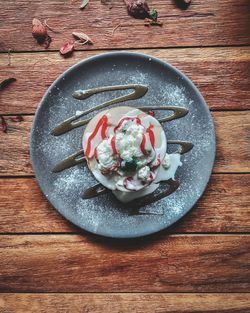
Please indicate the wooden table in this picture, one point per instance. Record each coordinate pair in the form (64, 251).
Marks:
(199, 265)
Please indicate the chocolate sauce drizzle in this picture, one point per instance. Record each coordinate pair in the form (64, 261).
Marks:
(72, 160)
(94, 191)
(78, 157)
(139, 91)
(170, 187)
(178, 112)
(67, 125)
(98, 189)
(184, 146)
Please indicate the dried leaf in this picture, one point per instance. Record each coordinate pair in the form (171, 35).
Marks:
(39, 31)
(6, 83)
(83, 4)
(153, 14)
(17, 118)
(4, 125)
(67, 49)
(82, 37)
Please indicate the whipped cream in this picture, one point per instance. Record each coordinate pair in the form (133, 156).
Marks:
(144, 174)
(166, 161)
(128, 140)
(105, 155)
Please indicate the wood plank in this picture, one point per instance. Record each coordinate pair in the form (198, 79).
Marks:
(125, 303)
(221, 74)
(161, 263)
(232, 130)
(232, 140)
(225, 207)
(212, 22)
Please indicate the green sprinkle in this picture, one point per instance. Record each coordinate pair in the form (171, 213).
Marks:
(129, 166)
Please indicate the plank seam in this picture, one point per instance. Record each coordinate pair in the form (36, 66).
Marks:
(33, 176)
(82, 232)
(211, 110)
(132, 48)
(123, 292)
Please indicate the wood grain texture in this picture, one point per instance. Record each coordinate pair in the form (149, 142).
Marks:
(125, 303)
(223, 22)
(161, 263)
(221, 74)
(164, 262)
(232, 130)
(225, 207)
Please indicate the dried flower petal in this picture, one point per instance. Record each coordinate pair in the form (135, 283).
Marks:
(84, 3)
(67, 49)
(183, 4)
(6, 82)
(4, 125)
(137, 8)
(82, 37)
(17, 118)
(39, 31)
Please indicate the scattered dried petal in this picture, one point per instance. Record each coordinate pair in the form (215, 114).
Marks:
(17, 118)
(6, 82)
(39, 31)
(4, 125)
(67, 49)
(82, 37)
(137, 8)
(83, 4)
(183, 4)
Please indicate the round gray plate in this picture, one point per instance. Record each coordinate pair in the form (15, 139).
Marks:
(167, 86)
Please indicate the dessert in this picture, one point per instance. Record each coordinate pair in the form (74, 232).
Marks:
(125, 149)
